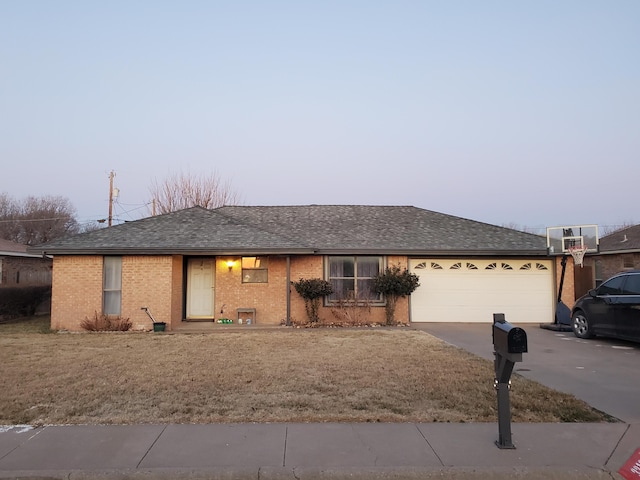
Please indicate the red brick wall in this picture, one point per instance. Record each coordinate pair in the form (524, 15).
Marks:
(147, 282)
(612, 264)
(313, 267)
(157, 282)
(568, 288)
(269, 299)
(76, 290)
(402, 307)
(177, 282)
(307, 268)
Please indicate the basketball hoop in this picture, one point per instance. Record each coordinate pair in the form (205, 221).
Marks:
(577, 253)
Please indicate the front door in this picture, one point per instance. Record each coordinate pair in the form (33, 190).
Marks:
(200, 288)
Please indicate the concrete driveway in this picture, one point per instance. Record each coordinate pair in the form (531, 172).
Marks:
(604, 373)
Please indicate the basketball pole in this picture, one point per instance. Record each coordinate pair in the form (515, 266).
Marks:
(563, 262)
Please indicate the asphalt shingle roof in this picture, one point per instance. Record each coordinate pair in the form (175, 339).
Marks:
(304, 230)
(8, 246)
(627, 239)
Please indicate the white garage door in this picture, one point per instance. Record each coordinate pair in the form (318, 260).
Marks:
(471, 290)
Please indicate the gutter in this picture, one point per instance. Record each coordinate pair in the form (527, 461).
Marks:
(437, 253)
(20, 254)
(265, 251)
(174, 251)
(616, 252)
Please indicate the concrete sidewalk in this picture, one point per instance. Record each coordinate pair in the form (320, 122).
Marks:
(313, 451)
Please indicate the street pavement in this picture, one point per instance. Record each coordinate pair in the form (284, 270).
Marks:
(343, 450)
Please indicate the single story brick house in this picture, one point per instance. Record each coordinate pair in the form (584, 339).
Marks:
(25, 280)
(19, 268)
(239, 261)
(619, 252)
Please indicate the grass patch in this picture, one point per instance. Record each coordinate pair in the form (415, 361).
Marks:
(35, 324)
(279, 375)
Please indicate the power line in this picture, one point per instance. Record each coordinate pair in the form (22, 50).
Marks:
(22, 220)
(128, 212)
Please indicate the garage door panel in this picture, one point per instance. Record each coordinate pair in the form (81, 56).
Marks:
(465, 314)
(450, 291)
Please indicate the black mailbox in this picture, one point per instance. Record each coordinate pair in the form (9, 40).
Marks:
(509, 343)
(507, 338)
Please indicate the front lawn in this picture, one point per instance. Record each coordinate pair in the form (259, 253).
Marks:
(271, 375)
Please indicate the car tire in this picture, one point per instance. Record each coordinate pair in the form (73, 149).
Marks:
(581, 326)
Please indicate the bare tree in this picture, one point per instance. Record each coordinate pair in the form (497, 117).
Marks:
(36, 220)
(610, 229)
(9, 215)
(90, 227)
(184, 190)
(521, 228)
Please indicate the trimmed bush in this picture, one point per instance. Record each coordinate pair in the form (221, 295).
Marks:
(312, 290)
(395, 283)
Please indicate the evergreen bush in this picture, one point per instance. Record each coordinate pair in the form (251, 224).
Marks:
(312, 290)
(394, 283)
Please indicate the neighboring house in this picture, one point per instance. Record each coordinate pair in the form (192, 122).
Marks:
(239, 262)
(19, 268)
(619, 252)
(25, 280)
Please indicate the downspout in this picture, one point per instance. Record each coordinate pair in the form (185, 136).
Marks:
(288, 319)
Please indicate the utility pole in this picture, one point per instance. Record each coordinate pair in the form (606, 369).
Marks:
(110, 218)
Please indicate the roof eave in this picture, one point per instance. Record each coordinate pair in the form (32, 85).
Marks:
(21, 254)
(423, 253)
(178, 251)
(617, 252)
(297, 251)
(482, 253)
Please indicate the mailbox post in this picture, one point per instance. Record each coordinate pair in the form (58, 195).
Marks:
(509, 343)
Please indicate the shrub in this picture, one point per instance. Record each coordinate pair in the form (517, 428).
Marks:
(395, 283)
(22, 301)
(351, 313)
(105, 323)
(312, 290)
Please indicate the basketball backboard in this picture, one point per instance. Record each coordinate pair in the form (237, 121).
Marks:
(561, 239)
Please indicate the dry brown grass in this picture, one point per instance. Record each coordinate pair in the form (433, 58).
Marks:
(278, 375)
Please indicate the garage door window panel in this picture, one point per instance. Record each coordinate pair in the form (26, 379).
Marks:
(529, 266)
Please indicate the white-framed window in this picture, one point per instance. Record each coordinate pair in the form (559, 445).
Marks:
(112, 286)
(255, 269)
(352, 278)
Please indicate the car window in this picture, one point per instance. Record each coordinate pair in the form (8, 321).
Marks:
(612, 286)
(632, 285)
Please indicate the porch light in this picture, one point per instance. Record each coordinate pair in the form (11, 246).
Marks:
(230, 264)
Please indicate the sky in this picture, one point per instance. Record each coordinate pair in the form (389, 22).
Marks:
(521, 113)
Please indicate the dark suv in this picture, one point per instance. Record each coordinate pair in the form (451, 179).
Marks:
(611, 310)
